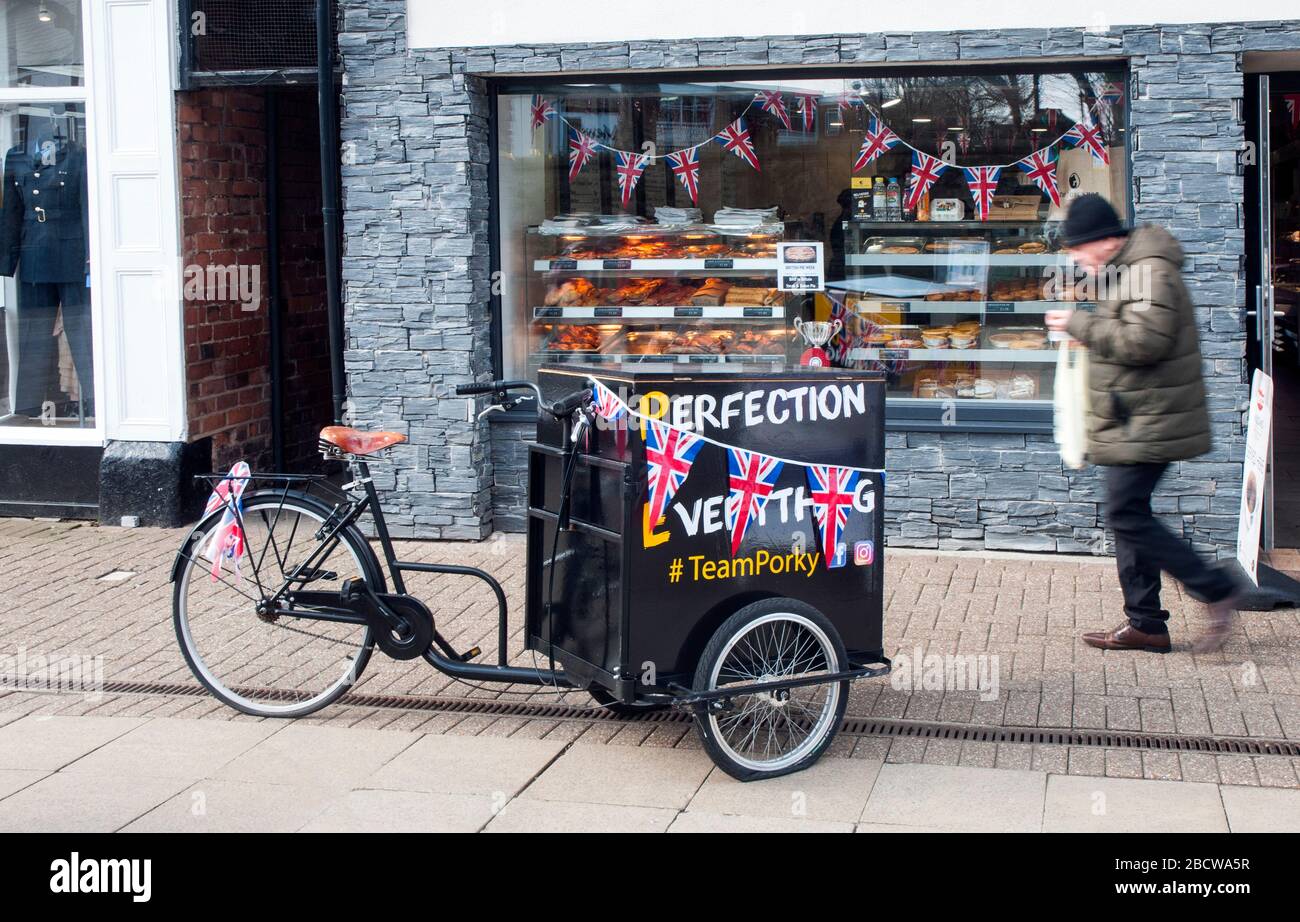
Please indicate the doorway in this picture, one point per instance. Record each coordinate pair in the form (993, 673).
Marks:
(1272, 170)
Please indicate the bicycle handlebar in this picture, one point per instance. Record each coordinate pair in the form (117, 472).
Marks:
(570, 402)
(562, 407)
(492, 387)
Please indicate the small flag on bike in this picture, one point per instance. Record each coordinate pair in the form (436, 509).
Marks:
(751, 479)
(227, 540)
(607, 404)
(669, 453)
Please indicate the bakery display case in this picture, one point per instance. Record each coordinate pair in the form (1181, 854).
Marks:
(656, 295)
(951, 309)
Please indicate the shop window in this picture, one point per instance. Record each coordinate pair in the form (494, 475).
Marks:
(46, 365)
(640, 222)
(41, 43)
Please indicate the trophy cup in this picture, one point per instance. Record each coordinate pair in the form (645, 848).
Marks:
(817, 333)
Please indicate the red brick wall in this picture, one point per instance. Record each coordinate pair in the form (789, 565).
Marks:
(223, 211)
(223, 153)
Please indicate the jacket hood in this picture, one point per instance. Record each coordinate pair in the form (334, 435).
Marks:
(1148, 241)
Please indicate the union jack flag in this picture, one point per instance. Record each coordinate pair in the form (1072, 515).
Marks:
(807, 109)
(1086, 134)
(1040, 167)
(774, 102)
(963, 141)
(685, 165)
(628, 169)
(751, 479)
(925, 170)
(848, 101)
(1112, 93)
(607, 404)
(227, 539)
(582, 147)
(833, 492)
(735, 138)
(542, 110)
(669, 454)
(879, 138)
(983, 183)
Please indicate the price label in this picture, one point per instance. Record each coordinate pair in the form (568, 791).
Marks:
(757, 312)
(903, 307)
(688, 312)
(548, 312)
(894, 355)
(999, 307)
(564, 264)
(617, 263)
(609, 312)
(719, 264)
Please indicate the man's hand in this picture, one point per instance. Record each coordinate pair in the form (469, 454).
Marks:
(1058, 320)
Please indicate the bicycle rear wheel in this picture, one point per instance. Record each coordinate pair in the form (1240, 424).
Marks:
(283, 665)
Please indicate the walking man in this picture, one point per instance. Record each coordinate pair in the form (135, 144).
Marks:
(1147, 410)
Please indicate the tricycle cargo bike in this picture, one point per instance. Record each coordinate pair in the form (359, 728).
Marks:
(709, 541)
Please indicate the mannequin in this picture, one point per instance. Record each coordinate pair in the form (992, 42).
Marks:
(44, 245)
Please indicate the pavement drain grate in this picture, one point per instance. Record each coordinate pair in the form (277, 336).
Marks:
(853, 726)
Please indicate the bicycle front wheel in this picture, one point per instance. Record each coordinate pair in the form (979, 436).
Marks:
(285, 665)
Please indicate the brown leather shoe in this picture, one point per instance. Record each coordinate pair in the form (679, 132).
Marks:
(1127, 637)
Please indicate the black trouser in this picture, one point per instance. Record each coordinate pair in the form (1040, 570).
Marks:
(1144, 547)
(38, 306)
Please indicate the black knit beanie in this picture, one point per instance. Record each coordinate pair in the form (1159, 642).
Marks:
(1089, 218)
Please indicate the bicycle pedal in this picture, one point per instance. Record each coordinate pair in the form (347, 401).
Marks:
(470, 654)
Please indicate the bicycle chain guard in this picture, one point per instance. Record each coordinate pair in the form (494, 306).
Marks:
(418, 634)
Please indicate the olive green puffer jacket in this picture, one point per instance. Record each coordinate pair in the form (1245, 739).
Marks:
(1145, 386)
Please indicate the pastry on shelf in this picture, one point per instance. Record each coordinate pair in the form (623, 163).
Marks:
(712, 292)
(750, 297)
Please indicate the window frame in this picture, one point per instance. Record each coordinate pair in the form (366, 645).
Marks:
(901, 414)
(81, 95)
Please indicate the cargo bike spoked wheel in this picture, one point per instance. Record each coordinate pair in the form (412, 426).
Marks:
(272, 665)
(768, 733)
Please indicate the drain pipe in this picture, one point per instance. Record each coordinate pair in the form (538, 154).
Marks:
(273, 274)
(328, 102)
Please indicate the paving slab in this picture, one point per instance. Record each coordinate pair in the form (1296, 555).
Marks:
(699, 821)
(173, 747)
(454, 764)
(404, 811)
(957, 798)
(238, 806)
(524, 815)
(1252, 809)
(83, 802)
(1082, 804)
(832, 789)
(49, 743)
(304, 754)
(625, 775)
(898, 827)
(13, 780)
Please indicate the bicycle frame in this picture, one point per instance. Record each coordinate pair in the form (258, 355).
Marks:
(331, 606)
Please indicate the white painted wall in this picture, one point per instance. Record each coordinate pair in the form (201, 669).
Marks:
(444, 23)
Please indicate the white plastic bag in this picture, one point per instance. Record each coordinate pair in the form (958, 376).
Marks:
(1070, 398)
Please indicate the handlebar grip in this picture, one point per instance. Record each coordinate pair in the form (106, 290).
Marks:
(492, 387)
(567, 404)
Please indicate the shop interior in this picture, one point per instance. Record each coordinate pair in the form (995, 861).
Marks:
(1275, 343)
(945, 301)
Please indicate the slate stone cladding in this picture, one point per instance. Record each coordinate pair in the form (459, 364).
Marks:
(416, 152)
